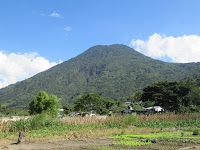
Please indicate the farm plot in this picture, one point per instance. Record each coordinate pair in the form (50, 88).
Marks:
(154, 141)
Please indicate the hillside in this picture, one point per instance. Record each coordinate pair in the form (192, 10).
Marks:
(114, 72)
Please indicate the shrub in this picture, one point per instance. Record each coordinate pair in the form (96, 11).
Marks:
(38, 122)
(182, 133)
(43, 102)
(196, 132)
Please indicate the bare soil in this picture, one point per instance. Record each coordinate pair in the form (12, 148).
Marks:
(75, 144)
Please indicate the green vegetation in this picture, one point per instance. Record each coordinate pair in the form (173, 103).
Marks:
(43, 102)
(45, 122)
(7, 112)
(159, 141)
(164, 124)
(132, 143)
(94, 102)
(196, 132)
(122, 127)
(176, 135)
(183, 96)
(114, 72)
(41, 121)
(124, 137)
(103, 147)
(135, 97)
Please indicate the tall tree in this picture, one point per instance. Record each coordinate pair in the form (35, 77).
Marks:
(170, 95)
(93, 102)
(137, 96)
(44, 102)
(88, 102)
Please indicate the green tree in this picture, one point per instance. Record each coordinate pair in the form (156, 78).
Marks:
(44, 102)
(118, 107)
(137, 96)
(94, 102)
(68, 109)
(171, 95)
(88, 102)
(194, 96)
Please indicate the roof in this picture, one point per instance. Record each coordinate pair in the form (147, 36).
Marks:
(154, 107)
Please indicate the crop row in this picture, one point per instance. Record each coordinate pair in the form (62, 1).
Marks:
(155, 135)
(164, 124)
(132, 143)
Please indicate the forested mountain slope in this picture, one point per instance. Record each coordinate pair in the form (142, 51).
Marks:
(114, 72)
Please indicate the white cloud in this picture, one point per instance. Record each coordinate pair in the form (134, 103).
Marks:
(179, 49)
(68, 29)
(17, 67)
(55, 14)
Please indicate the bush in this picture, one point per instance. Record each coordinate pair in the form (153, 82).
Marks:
(196, 132)
(38, 122)
(182, 133)
(43, 102)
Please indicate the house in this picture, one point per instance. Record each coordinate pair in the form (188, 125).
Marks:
(155, 109)
(148, 111)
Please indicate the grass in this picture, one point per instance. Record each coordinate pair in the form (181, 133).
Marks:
(176, 134)
(164, 124)
(159, 141)
(169, 120)
(43, 127)
(170, 116)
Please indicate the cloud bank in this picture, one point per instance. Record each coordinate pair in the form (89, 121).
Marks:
(179, 49)
(17, 67)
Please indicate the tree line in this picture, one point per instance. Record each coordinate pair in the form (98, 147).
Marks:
(182, 96)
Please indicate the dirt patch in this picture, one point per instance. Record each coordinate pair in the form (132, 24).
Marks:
(190, 148)
(73, 144)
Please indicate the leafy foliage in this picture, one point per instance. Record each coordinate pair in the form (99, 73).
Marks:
(114, 72)
(40, 121)
(43, 102)
(94, 102)
(178, 96)
(68, 109)
(13, 112)
(133, 143)
(196, 132)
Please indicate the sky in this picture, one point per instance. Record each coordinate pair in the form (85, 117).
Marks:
(38, 34)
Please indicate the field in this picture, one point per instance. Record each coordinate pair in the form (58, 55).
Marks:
(168, 131)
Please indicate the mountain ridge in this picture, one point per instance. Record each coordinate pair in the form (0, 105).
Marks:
(113, 71)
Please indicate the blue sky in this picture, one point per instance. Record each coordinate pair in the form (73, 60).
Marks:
(50, 31)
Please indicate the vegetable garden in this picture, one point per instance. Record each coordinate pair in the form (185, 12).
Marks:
(153, 132)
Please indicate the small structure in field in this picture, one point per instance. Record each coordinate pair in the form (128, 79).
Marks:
(60, 114)
(21, 137)
(155, 108)
(150, 110)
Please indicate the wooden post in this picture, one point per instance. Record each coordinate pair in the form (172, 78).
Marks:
(21, 138)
